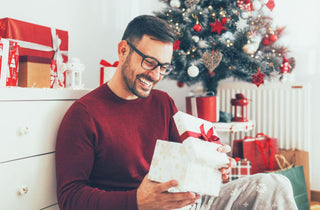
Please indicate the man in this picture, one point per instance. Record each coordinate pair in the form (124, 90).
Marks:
(106, 140)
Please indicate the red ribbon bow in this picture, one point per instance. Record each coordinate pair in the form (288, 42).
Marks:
(209, 136)
(107, 64)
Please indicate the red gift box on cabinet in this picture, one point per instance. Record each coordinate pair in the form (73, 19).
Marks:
(204, 107)
(259, 150)
(35, 40)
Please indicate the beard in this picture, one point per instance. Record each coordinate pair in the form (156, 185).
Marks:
(131, 79)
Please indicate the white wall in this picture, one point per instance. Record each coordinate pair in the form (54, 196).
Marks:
(95, 27)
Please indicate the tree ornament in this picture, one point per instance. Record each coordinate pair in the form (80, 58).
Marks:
(258, 78)
(250, 48)
(270, 4)
(175, 3)
(193, 71)
(211, 61)
(197, 27)
(241, 24)
(245, 15)
(256, 5)
(264, 1)
(176, 45)
(190, 3)
(195, 39)
(285, 66)
(203, 44)
(273, 37)
(224, 21)
(217, 26)
(266, 41)
(180, 84)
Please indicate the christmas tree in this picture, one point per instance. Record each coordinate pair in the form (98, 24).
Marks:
(218, 39)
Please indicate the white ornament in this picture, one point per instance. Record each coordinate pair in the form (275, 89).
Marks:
(245, 15)
(241, 24)
(256, 5)
(175, 3)
(250, 48)
(195, 39)
(264, 1)
(193, 71)
(203, 44)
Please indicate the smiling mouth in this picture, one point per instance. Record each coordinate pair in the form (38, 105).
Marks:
(147, 84)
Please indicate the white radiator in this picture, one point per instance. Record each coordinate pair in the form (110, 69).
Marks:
(278, 110)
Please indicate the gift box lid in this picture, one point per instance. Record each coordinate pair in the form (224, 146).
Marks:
(34, 59)
(31, 34)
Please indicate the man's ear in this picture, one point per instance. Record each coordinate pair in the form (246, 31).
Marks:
(123, 50)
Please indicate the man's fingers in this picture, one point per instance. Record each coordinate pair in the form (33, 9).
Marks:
(224, 148)
(163, 187)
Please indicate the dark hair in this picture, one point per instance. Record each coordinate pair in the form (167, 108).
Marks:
(151, 26)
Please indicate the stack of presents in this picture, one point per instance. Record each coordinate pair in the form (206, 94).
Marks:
(195, 162)
(32, 55)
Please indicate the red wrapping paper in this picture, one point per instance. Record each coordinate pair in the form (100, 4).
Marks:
(33, 33)
(204, 107)
(259, 150)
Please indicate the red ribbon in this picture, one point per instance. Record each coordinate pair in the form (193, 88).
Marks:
(268, 148)
(209, 136)
(107, 64)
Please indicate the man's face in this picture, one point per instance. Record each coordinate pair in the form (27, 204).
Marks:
(138, 80)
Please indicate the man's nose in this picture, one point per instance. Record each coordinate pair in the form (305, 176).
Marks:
(155, 74)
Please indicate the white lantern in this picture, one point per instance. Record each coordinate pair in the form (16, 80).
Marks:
(74, 74)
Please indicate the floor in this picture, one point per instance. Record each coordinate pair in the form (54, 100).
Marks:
(315, 205)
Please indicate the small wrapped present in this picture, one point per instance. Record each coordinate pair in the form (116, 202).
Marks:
(9, 61)
(107, 70)
(204, 107)
(34, 72)
(242, 169)
(191, 126)
(194, 164)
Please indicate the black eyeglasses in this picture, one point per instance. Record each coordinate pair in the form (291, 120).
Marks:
(150, 63)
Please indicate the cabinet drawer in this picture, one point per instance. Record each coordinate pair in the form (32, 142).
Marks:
(28, 183)
(29, 127)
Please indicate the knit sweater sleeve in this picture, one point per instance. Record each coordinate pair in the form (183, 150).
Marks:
(74, 162)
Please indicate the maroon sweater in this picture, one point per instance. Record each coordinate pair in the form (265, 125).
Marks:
(105, 146)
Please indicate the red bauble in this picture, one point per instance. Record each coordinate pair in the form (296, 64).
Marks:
(270, 4)
(273, 37)
(197, 28)
(180, 84)
(176, 45)
(266, 41)
(258, 78)
(224, 20)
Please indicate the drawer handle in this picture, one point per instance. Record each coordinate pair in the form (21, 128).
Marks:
(24, 130)
(23, 190)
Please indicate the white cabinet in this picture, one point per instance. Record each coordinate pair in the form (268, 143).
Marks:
(29, 121)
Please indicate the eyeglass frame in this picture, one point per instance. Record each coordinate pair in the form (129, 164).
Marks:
(158, 63)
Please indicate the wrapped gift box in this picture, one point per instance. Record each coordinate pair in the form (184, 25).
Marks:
(107, 70)
(9, 61)
(193, 163)
(35, 40)
(242, 169)
(191, 126)
(204, 107)
(34, 72)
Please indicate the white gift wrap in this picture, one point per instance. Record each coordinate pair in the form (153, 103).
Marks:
(186, 122)
(194, 164)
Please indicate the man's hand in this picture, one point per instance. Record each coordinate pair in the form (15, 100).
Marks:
(232, 163)
(153, 195)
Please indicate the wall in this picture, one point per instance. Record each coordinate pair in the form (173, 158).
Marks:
(95, 28)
